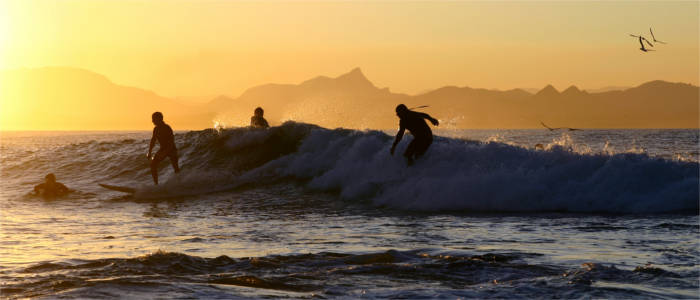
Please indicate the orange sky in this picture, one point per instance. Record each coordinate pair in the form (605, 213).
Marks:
(203, 48)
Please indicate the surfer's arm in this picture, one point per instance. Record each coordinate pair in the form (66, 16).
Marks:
(399, 136)
(429, 118)
(153, 143)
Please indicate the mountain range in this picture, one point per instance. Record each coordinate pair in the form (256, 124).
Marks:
(72, 99)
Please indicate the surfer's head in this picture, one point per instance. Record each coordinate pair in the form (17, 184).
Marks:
(50, 177)
(259, 112)
(157, 117)
(401, 110)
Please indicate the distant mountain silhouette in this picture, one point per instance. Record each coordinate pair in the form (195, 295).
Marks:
(547, 91)
(607, 89)
(351, 100)
(573, 91)
(68, 98)
(656, 104)
(77, 99)
(355, 81)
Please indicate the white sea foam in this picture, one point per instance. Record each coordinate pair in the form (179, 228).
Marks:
(475, 176)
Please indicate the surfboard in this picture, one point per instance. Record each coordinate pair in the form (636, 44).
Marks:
(117, 188)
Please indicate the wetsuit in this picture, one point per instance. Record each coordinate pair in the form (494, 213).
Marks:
(258, 122)
(50, 190)
(422, 135)
(164, 134)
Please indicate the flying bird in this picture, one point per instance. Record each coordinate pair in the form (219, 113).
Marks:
(644, 39)
(654, 38)
(552, 129)
(641, 38)
(640, 42)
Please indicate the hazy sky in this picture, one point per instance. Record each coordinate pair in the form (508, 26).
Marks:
(202, 48)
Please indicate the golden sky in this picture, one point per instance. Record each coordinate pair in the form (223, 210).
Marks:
(203, 48)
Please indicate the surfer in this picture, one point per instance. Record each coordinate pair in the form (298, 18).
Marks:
(257, 120)
(164, 134)
(422, 136)
(50, 188)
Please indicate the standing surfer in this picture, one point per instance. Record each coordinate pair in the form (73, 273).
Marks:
(164, 134)
(422, 135)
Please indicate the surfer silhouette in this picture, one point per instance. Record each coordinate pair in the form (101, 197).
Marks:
(257, 120)
(422, 135)
(50, 188)
(164, 135)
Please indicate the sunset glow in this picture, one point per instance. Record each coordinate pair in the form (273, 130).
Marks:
(165, 54)
(204, 48)
(347, 149)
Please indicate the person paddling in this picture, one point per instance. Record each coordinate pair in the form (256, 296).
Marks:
(164, 135)
(50, 188)
(422, 135)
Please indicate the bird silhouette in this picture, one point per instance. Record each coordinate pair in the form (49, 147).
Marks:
(644, 39)
(557, 128)
(640, 42)
(641, 38)
(654, 38)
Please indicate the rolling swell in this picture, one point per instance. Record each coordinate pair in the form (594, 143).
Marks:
(455, 174)
(486, 275)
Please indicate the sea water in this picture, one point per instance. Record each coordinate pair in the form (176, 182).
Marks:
(302, 211)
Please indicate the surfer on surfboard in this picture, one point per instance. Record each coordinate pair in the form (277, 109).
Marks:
(164, 135)
(422, 135)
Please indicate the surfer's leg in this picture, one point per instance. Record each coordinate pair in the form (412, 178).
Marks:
(422, 146)
(154, 165)
(174, 161)
(410, 151)
(154, 171)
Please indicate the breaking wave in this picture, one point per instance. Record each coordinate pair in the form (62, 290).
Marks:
(455, 174)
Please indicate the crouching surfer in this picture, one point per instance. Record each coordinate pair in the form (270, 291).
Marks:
(257, 120)
(164, 135)
(50, 188)
(422, 135)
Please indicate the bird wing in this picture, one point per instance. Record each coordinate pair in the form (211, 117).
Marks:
(649, 43)
(550, 128)
(634, 35)
(654, 38)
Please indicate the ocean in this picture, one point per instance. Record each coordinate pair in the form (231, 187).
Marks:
(299, 211)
